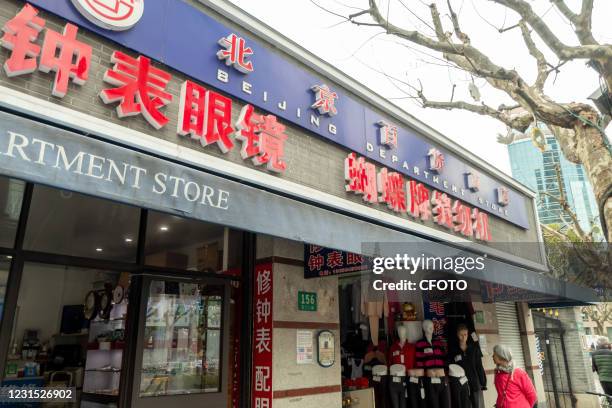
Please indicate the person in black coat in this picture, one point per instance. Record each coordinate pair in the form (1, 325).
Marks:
(469, 357)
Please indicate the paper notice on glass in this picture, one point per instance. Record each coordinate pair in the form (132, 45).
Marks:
(304, 347)
(482, 339)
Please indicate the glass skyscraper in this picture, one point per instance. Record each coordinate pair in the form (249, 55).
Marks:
(536, 170)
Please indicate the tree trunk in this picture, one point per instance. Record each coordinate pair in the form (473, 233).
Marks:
(593, 153)
(600, 328)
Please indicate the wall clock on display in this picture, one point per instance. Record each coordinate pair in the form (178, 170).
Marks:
(106, 304)
(91, 305)
(118, 294)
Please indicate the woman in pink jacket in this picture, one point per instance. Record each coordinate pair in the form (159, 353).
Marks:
(514, 387)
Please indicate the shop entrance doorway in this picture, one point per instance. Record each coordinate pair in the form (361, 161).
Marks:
(557, 380)
(180, 343)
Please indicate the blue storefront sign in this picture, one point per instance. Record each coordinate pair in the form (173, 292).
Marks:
(180, 36)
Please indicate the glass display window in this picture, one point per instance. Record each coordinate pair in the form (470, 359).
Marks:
(11, 198)
(69, 331)
(182, 339)
(68, 223)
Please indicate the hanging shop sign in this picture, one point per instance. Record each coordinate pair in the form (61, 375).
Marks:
(246, 69)
(497, 292)
(320, 261)
(262, 336)
(326, 348)
(136, 87)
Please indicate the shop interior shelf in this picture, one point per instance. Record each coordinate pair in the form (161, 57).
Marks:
(99, 398)
(115, 345)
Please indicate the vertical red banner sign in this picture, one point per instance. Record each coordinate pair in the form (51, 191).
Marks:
(262, 336)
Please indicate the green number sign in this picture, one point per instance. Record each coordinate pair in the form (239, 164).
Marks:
(307, 301)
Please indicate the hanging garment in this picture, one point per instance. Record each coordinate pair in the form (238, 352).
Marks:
(356, 366)
(380, 384)
(416, 392)
(404, 355)
(431, 355)
(460, 392)
(397, 392)
(437, 392)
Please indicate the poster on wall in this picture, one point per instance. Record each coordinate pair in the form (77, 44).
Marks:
(434, 311)
(304, 347)
(262, 336)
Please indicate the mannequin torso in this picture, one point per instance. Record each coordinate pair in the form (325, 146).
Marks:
(431, 352)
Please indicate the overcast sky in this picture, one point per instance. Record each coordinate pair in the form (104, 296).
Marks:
(373, 59)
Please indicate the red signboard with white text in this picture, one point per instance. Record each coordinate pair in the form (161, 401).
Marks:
(262, 337)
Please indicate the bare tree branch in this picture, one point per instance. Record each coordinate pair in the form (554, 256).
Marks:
(576, 125)
(565, 10)
(458, 32)
(563, 51)
(513, 121)
(410, 35)
(543, 71)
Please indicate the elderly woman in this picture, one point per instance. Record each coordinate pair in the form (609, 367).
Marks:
(514, 387)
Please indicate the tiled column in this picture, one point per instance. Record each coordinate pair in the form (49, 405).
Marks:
(293, 385)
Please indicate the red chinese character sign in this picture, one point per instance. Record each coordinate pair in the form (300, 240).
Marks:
(408, 197)
(140, 88)
(481, 225)
(263, 139)
(61, 53)
(419, 205)
(462, 219)
(19, 35)
(360, 178)
(435, 312)
(235, 53)
(443, 214)
(391, 189)
(262, 336)
(67, 57)
(206, 116)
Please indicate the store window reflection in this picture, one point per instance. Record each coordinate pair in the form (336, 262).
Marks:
(69, 331)
(182, 243)
(11, 197)
(67, 223)
(182, 339)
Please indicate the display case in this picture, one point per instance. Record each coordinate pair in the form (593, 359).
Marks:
(182, 339)
(104, 355)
